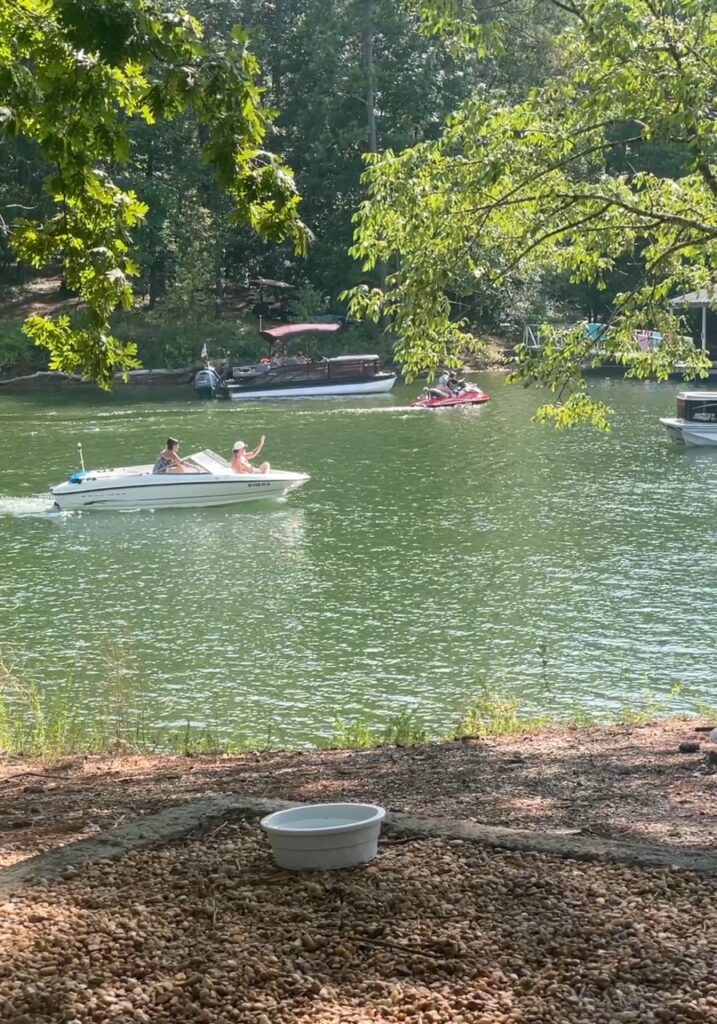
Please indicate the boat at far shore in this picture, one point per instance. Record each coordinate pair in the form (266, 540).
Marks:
(695, 424)
(209, 482)
(281, 375)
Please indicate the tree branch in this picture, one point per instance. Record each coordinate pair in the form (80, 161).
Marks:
(560, 230)
(653, 215)
(573, 9)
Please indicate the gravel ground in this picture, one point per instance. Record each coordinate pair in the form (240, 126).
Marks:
(617, 782)
(209, 931)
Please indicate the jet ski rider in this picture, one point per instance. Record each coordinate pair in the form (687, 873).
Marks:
(442, 387)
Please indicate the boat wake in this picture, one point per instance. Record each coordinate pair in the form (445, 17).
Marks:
(353, 410)
(33, 505)
(368, 412)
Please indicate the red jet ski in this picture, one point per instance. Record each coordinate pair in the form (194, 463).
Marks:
(466, 394)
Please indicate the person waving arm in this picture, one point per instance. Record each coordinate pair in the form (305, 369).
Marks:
(253, 455)
(241, 458)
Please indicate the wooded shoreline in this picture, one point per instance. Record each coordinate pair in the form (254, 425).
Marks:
(44, 378)
(158, 377)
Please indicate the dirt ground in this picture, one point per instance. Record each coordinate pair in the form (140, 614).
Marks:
(39, 297)
(434, 931)
(622, 782)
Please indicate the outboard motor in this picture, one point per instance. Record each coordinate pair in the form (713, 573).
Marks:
(206, 383)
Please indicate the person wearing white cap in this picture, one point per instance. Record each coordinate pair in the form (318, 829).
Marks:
(241, 458)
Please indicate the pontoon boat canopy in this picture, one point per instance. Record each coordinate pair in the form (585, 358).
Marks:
(290, 331)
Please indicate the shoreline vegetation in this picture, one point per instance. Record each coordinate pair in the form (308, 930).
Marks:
(496, 361)
(38, 723)
(176, 376)
(169, 344)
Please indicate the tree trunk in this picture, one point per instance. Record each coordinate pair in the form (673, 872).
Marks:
(370, 99)
(370, 78)
(277, 51)
(155, 277)
(218, 278)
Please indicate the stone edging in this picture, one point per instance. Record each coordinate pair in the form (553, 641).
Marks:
(179, 821)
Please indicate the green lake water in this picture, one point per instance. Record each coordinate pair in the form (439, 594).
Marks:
(430, 552)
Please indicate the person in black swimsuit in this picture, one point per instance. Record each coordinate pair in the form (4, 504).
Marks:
(169, 461)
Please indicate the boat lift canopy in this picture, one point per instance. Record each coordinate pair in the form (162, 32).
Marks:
(702, 299)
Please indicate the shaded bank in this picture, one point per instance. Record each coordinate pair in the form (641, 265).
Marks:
(47, 379)
(622, 782)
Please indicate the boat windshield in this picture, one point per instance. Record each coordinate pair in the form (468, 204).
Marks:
(698, 411)
(208, 462)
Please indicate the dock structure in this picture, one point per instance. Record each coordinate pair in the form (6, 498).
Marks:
(647, 341)
(703, 301)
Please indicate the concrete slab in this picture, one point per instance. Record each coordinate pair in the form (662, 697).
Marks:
(179, 822)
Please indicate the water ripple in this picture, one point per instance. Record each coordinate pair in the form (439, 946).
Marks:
(427, 554)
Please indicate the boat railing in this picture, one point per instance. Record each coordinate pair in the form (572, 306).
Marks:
(531, 336)
(297, 371)
(338, 368)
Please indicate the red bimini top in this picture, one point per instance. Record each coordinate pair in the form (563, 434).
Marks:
(288, 332)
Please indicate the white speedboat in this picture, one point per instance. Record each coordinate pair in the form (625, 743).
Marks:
(696, 421)
(209, 482)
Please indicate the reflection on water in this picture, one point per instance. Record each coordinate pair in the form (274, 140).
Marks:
(429, 551)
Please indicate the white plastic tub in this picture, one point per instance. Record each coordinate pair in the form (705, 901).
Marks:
(321, 837)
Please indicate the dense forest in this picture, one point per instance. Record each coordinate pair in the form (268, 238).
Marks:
(347, 77)
(441, 100)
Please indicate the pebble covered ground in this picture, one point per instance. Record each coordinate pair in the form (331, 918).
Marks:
(210, 931)
(622, 782)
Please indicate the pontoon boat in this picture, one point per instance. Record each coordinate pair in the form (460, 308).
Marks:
(282, 375)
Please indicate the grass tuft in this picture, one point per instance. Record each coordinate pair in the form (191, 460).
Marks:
(405, 730)
(38, 723)
(35, 724)
(494, 713)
